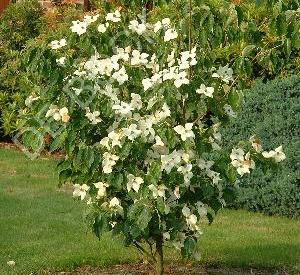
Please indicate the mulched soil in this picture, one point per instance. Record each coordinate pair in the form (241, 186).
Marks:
(141, 269)
(44, 153)
(8, 145)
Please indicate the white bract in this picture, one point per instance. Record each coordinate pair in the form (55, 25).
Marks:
(11, 263)
(109, 160)
(103, 27)
(79, 27)
(185, 131)
(101, 189)
(137, 27)
(57, 44)
(58, 114)
(207, 91)
(61, 61)
(241, 162)
(80, 190)
(277, 154)
(114, 16)
(224, 73)
(93, 117)
(134, 183)
(170, 34)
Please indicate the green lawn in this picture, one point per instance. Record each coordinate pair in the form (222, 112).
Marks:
(42, 227)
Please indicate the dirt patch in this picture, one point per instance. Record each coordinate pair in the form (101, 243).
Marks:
(141, 269)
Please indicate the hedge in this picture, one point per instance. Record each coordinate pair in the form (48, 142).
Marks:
(272, 112)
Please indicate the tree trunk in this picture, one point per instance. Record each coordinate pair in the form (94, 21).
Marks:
(159, 256)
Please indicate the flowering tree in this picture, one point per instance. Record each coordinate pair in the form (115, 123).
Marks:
(139, 119)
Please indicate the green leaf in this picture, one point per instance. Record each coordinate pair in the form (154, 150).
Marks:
(281, 24)
(100, 225)
(288, 47)
(248, 50)
(189, 247)
(140, 214)
(154, 173)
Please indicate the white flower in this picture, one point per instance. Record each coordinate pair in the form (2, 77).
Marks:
(114, 16)
(114, 203)
(177, 192)
(93, 117)
(224, 73)
(89, 19)
(192, 222)
(11, 263)
(204, 165)
(134, 183)
(105, 142)
(166, 236)
(181, 79)
(157, 26)
(79, 27)
(132, 132)
(52, 110)
(103, 27)
(123, 109)
(115, 138)
(121, 76)
(58, 114)
(215, 176)
(147, 83)
(137, 27)
(208, 91)
(139, 58)
(166, 22)
(80, 190)
(171, 59)
(57, 44)
(136, 101)
(101, 189)
(188, 59)
(187, 173)
(61, 61)
(168, 162)
(170, 34)
(237, 154)
(158, 141)
(186, 211)
(109, 160)
(158, 191)
(256, 144)
(242, 163)
(278, 155)
(123, 54)
(229, 111)
(145, 125)
(64, 114)
(185, 131)
(29, 100)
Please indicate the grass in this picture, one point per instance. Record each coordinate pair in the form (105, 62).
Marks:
(42, 227)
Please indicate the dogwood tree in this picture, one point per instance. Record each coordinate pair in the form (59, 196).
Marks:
(139, 118)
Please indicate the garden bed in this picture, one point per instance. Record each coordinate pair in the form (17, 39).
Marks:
(141, 269)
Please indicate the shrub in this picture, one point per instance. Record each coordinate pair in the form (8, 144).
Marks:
(271, 111)
(22, 25)
(18, 23)
(138, 118)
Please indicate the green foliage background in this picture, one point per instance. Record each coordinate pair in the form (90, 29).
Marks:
(19, 23)
(272, 112)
